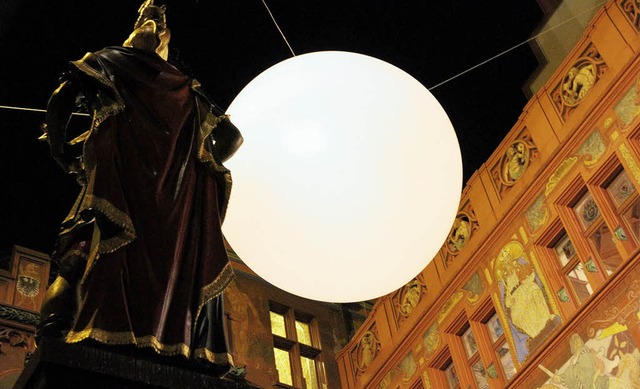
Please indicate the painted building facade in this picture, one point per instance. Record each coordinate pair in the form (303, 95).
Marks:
(538, 284)
(24, 277)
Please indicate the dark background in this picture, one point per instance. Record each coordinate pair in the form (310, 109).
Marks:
(227, 43)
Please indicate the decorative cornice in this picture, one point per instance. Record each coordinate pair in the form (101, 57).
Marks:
(18, 315)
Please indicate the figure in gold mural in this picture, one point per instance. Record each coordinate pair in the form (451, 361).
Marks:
(523, 300)
(590, 367)
(411, 297)
(516, 163)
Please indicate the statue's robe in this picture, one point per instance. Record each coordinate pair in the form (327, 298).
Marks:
(149, 216)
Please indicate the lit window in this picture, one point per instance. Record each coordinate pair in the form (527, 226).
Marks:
(296, 348)
(500, 346)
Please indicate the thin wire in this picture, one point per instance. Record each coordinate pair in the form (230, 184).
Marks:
(514, 47)
(278, 27)
(431, 88)
(37, 110)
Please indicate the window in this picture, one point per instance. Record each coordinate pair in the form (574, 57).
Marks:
(296, 348)
(452, 376)
(572, 268)
(500, 346)
(473, 358)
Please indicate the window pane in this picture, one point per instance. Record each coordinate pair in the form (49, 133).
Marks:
(632, 216)
(469, 343)
(452, 376)
(309, 373)
(283, 365)
(587, 210)
(565, 250)
(621, 188)
(495, 328)
(277, 324)
(602, 240)
(505, 360)
(580, 283)
(303, 332)
(480, 375)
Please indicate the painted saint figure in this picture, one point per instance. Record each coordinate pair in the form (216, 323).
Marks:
(142, 248)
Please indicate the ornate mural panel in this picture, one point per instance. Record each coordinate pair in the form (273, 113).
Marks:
(578, 81)
(515, 161)
(523, 300)
(602, 350)
(590, 153)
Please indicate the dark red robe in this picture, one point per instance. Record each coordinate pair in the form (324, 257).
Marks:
(150, 213)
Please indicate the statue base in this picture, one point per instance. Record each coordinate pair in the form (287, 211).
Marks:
(57, 364)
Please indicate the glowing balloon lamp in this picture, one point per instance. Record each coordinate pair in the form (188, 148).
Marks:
(349, 178)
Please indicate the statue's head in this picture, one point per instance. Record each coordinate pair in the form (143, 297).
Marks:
(150, 32)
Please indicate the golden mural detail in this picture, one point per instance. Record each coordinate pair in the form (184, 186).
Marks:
(515, 161)
(448, 306)
(431, 340)
(407, 367)
(464, 226)
(633, 165)
(426, 381)
(473, 288)
(578, 81)
(558, 174)
(628, 108)
(523, 299)
(592, 149)
(365, 352)
(631, 9)
(407, 298)
(487, 275)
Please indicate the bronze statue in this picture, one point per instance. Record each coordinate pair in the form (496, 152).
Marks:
(142, 257)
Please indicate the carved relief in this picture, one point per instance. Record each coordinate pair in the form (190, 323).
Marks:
(631, 8)
(578, 81)
(463, 229)
(14, 346)
(514, 162)
(407, 298)
(366, 351)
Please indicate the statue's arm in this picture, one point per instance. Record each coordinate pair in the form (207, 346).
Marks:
(59, 110)
(228, 140)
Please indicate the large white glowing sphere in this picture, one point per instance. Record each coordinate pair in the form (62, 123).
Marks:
(349, 178)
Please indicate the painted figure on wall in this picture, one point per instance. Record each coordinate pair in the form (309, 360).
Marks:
(142, 249)
(523, 299)
(602, 362)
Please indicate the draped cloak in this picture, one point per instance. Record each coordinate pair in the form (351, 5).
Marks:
(149, 216)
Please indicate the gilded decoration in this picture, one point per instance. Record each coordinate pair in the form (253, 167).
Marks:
(578, 81)
(523, 300)
(448, 306)
(514, 162)
(631, 161)
(629, 105)
(408, 367)
(590, 151)
(464, 226)
(606, 354)
(631, 8)
(431, 340)
(473, 288)
(407, 298)
(426, 380)
(366, 351)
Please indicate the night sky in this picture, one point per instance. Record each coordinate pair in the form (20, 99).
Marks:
(225, 44)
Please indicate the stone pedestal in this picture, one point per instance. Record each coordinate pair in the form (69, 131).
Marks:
(59, 365)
